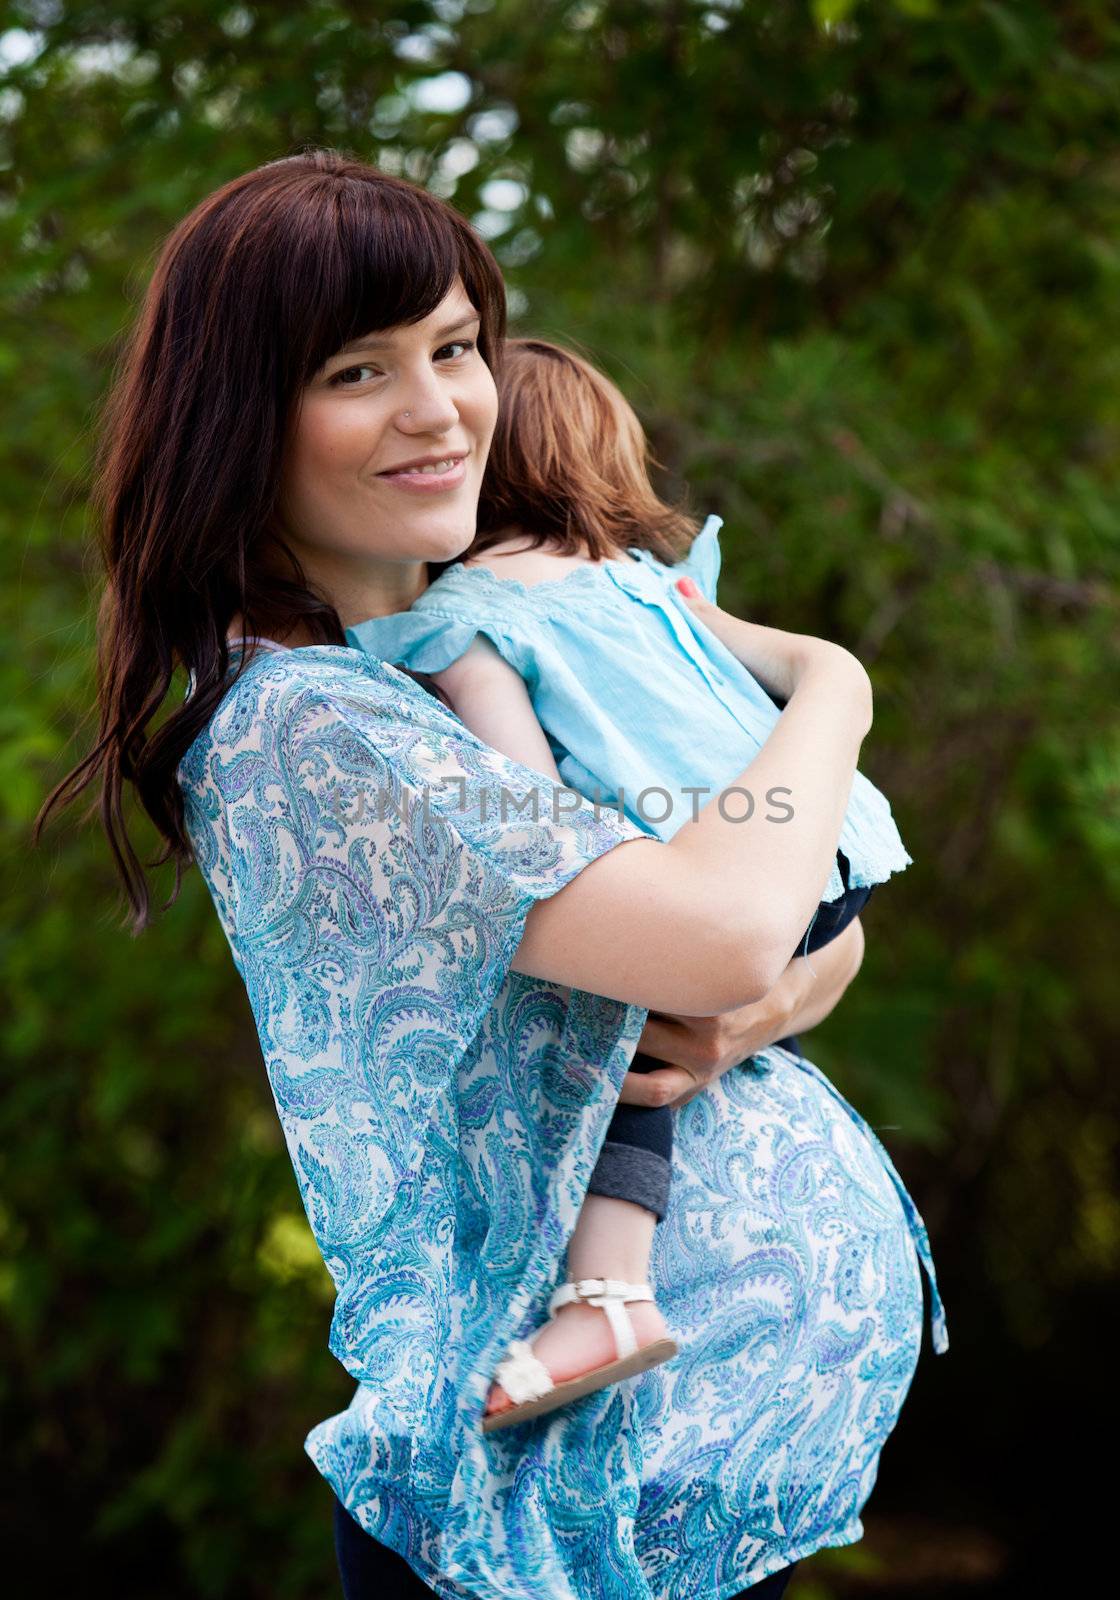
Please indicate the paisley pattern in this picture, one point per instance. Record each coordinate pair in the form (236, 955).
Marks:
(443, 1115)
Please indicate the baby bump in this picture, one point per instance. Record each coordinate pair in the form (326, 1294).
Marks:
(787, 1267)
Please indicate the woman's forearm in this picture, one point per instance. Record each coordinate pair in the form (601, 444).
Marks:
(812, 986)
(759, 881)
(698, 1050)
(705, 922)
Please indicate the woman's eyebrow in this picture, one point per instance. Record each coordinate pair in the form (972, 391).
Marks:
(372, 342)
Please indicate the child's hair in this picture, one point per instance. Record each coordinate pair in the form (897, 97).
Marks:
(570, 462)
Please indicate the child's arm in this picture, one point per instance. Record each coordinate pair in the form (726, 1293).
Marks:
(491, 698)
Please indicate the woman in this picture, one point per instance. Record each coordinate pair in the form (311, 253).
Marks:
(449, 989)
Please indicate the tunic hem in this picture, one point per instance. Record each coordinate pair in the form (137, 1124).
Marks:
(448, 1589)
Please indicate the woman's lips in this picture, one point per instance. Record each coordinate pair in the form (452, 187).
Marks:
(418, 482)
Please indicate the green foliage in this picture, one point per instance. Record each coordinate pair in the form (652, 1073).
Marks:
(858, 267)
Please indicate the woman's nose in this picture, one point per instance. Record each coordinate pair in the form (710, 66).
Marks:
(427, 407)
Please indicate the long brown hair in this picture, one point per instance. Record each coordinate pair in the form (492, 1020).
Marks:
(570, 462)
(252, 292)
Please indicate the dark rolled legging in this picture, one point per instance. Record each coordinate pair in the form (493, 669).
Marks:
(636, 1160)
(371, 1571)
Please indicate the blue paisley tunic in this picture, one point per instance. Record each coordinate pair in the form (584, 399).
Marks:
(443, 1115)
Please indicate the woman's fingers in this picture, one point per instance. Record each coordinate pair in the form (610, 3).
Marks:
(706, 1045)
(777, 658)
(692, 594)
(661, 1087)
(700, 605)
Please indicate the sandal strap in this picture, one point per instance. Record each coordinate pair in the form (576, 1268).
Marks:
(523, 1375)
(610, 1295)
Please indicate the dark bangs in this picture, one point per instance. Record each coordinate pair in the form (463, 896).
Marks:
(366, 256)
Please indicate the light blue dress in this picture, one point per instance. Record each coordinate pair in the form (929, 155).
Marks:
(636, 695)
(443, 1115)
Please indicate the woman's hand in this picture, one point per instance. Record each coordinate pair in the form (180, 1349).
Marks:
(701, 1049)
(777, 658)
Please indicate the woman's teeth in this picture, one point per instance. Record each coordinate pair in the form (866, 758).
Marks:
(453, 468)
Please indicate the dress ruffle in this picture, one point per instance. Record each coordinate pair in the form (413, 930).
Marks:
(427, 640)
(701, 563)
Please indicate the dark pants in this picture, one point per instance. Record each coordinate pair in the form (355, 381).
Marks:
(635, 1162)
(371, 1571)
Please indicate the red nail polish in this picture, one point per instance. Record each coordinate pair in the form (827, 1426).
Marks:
(687, 588)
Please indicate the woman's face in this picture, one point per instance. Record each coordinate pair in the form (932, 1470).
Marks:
(385, 467)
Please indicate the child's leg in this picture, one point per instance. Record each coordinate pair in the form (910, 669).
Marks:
(628, 1192)
(636, 1160)
(626, 1198)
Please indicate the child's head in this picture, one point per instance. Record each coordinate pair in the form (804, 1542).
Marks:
(570, 462)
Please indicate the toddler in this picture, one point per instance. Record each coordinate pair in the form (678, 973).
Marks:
(562, 640)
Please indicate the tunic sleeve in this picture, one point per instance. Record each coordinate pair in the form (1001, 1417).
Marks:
(382, 862)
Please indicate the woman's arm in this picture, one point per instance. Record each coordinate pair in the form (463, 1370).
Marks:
(803, 996)
(704, 923)
(736, 635)
(701, 1049)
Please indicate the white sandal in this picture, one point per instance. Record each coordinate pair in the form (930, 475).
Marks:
(527, 1380)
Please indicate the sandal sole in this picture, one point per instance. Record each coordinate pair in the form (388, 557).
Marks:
(650, 1355)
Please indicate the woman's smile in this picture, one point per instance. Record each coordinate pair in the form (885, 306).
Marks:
(428, 474)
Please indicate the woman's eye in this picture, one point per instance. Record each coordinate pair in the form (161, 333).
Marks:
(448, 352)
(344, 372)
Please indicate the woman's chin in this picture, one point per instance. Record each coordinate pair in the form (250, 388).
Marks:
(447, 544)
